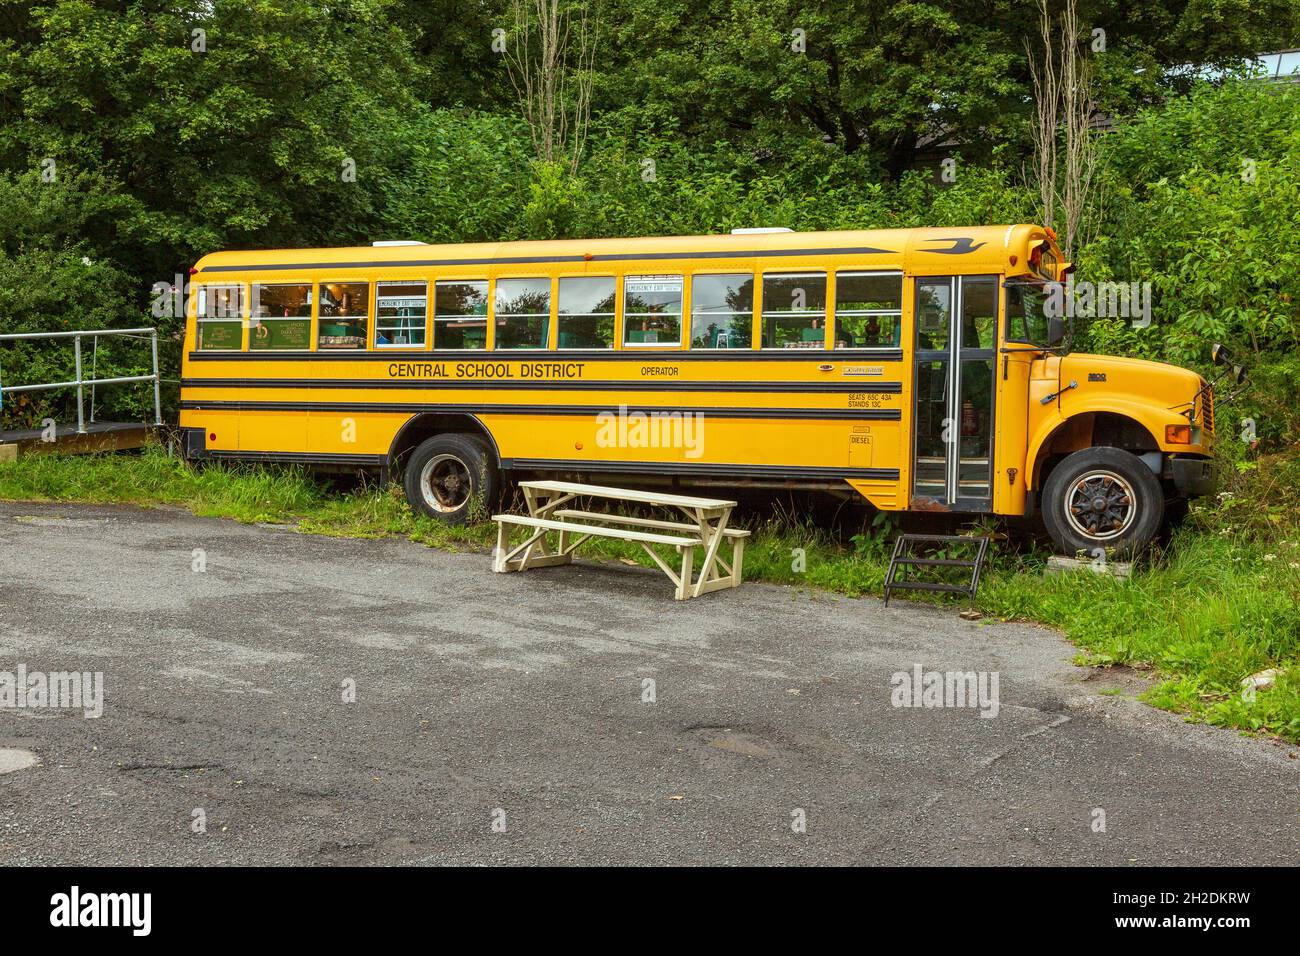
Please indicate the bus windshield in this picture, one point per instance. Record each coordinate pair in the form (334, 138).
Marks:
(1027, 310)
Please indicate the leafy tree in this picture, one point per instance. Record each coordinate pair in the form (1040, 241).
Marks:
(897, 79)
(1205, 207)
(466, 178)
(141, 135)
(244, 133)
(451, 40)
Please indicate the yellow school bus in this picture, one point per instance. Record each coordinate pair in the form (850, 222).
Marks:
(917, 368)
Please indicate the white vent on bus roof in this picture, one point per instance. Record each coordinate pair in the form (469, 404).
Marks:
(759, 230)
(398, 242)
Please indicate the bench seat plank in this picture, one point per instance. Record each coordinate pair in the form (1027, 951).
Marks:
(575, 527)
(626, 494)
(645, 522)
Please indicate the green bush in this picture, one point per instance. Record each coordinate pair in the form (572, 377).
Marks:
(1203, 202)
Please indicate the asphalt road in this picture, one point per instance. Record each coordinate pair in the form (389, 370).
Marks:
(501, 719)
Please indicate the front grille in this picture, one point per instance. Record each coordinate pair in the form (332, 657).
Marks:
(1205, 409)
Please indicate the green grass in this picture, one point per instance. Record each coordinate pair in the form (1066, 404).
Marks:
(1217, 604)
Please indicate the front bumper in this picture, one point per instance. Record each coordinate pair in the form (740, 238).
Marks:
(1192, 477)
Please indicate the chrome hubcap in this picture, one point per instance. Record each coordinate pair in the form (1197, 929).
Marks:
(1101, 505)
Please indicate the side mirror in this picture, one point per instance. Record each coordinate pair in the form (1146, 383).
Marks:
(1238, 374)
(1219, 354)
(1055, 330)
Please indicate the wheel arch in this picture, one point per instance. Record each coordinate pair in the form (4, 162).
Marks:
(425, 425)
(1088, 429)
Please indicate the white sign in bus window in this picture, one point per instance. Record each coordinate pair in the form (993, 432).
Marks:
(649, 284)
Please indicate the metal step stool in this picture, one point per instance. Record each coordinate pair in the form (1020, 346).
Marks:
(904, 556)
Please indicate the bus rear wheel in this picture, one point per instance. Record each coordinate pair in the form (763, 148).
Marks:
(1100, 501)
(449, 476)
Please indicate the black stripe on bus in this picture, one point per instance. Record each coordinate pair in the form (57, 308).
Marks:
(300, 457)
(564, 464)
(532, 260)
(831, 414)
(580, 385)
(821, 356)
(702, 470)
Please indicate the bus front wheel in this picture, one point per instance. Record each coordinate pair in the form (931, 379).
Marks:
(449, 476)
(1102, 501)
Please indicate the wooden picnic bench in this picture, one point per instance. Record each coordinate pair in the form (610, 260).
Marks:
(705, 529)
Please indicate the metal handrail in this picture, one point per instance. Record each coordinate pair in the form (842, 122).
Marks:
(79, 383)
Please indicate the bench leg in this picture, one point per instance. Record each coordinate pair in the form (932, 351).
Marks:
(711, 535)
(499, 555)
(684, 581)
(534, 552)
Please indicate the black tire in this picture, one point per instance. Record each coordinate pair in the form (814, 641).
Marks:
(1102, 498)
(449, 476)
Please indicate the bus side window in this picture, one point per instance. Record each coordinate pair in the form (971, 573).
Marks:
(586, 315)
(219, 317)
(794, 310)
(722, 311)
(401, 309)
(652, 310)
(868, 310)
(344, 315)
(523, 313)
(279, 316)
(460, 315)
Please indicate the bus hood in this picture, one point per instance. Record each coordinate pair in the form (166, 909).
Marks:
(1157, 380)
(1153, 393)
